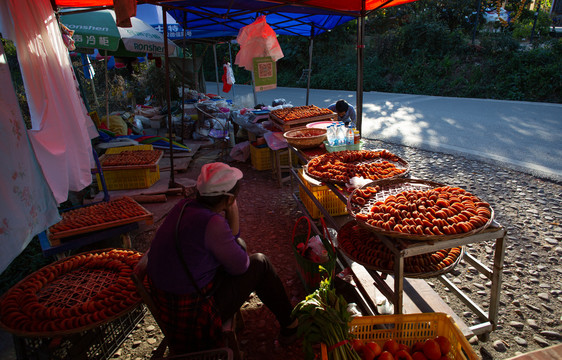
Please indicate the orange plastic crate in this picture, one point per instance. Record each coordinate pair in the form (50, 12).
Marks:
(323, 194)
(409, 329)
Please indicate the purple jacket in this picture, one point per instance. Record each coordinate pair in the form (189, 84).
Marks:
(206, 243)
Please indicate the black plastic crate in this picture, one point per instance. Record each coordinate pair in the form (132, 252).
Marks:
(99, 343)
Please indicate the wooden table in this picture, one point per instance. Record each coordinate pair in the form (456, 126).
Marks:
(394, 288)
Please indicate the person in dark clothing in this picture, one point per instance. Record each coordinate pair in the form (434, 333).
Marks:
(345, 111)
(208, 234)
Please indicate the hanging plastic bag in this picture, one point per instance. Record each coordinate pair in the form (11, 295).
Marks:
(227, 77)
(257, 40)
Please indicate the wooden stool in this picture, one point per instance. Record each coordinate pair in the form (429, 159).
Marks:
(277, 168)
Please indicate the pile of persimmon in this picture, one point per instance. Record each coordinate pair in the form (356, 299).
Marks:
(100, 213)
(365, 247)
(300, 112)
(130, 157)
(341, 166)
(437, 348)
(443, 210)
(66, 295)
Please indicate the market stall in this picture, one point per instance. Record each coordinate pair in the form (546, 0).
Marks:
(394, 230)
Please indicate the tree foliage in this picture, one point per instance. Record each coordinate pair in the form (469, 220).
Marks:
(426, 47)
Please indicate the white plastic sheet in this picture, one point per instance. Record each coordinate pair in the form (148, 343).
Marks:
(61, 128)
(257, 40)
(28, 206)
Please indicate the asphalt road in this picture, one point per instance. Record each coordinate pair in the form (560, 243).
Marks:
(525, 136)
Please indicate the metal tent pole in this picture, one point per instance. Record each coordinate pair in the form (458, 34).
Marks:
(183, 80)
(216, 68)
(106, 92)
(535, 23)
(230, 56)
(172, 182)
(360, 55)
(254, 89)
(476, 21)
(310, 46)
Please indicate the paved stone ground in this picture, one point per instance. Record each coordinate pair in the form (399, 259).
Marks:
(530, 209)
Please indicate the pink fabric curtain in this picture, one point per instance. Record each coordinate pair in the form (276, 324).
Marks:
(61, 128)
(28, 206)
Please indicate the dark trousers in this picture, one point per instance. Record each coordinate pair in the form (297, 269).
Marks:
(261, 277)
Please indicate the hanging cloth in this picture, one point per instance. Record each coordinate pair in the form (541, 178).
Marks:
(227, 77)
(61, 128)
(124, 10)
(257, 40)
(28, 206)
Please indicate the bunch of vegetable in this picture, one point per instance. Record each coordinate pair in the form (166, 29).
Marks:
(323, 317)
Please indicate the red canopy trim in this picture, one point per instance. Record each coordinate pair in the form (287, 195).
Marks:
(83, 3)
(337, 5)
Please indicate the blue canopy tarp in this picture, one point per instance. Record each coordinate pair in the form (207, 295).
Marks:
(152, 15)
(227, 22)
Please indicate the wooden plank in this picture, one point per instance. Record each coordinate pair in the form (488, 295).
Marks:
(149, 198)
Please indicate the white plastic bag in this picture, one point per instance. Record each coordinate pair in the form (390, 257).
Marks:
(241, 151)
(316, 250)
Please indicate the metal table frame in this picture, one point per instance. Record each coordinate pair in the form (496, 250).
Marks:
(403, 249)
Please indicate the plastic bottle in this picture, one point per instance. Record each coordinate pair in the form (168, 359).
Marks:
(330, 135)
(349, 135)
(357, 134)
(340, 134)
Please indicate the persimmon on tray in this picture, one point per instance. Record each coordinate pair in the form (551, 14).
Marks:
(72, 295)
(131, 159)
(341, 166)
(300, 112)
(364, 247)
(99, 216)
(419, 210)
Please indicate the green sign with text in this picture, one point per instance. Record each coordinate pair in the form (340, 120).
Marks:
(265, 73)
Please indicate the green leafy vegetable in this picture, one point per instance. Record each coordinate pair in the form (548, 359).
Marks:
(323, 317)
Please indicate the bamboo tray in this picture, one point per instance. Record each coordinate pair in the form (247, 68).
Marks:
(382, 259)
(72, 295)
(152, 166)
(399, 163)
(146, 216)
(390, 187)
